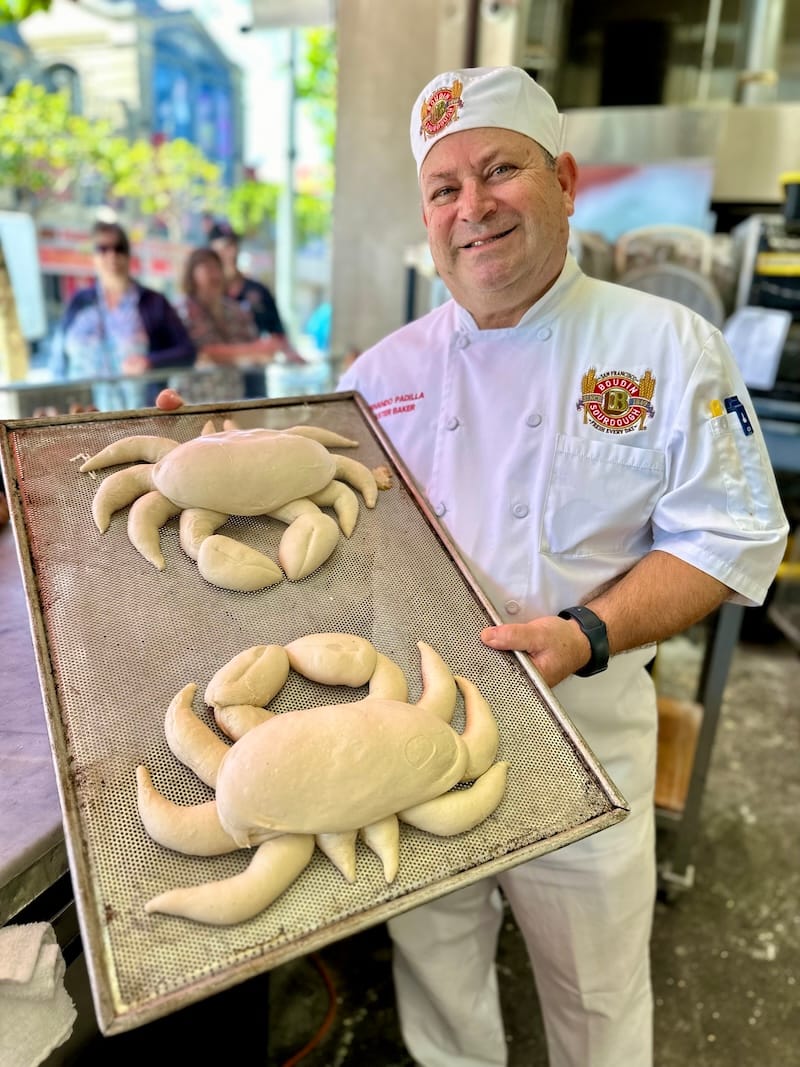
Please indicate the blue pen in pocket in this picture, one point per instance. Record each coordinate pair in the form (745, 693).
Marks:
(733, 403)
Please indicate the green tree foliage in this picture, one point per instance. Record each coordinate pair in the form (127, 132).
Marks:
(315, 90)
(45, 151)
(16, 10)
(316, 82)
(250, 204)
(169, 181)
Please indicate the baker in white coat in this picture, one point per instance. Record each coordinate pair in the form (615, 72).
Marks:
(593, 452)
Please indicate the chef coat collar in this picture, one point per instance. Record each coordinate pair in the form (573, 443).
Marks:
(547, 305)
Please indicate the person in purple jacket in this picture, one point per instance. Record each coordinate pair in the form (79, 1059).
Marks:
(117, 327)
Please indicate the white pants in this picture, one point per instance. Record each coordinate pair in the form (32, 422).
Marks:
(585, 912)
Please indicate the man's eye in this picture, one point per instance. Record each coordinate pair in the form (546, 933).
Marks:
(443, 193)
(502, 169)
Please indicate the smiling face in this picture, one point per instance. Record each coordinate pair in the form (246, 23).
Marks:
(497, 214)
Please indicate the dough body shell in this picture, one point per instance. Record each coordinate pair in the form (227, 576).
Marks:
(337, 768)
(243, 472)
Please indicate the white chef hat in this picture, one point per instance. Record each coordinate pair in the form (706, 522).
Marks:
(504, 97)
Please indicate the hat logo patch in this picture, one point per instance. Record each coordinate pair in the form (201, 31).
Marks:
(440, 109)
(616, 401)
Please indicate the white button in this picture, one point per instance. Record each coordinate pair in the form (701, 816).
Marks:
(534, 420)
(520, 510)
(544, 333)
(462, 341)
(512, 607)
(451, 423)
(439, 510)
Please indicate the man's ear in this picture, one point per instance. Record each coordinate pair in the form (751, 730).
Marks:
(422, 212)
(567, 174)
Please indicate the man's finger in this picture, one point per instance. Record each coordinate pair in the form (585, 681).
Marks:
(169, 400)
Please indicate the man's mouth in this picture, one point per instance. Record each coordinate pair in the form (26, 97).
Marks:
(480, 242)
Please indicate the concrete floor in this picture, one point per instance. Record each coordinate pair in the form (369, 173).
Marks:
(726, 952)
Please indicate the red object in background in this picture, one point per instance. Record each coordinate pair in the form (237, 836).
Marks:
(594, 174)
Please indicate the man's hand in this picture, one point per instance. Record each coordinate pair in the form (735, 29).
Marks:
(556, 646)
(657, 598)
(291, 355)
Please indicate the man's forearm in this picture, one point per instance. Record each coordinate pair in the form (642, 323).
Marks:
(659, 597)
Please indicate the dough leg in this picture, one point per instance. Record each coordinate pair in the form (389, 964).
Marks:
(460, 809)
(276, 864)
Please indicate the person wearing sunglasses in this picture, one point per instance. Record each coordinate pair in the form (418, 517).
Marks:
(118, 328)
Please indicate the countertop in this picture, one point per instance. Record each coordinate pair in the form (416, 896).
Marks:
(32, 849)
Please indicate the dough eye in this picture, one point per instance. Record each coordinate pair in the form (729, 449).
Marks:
(419, 750)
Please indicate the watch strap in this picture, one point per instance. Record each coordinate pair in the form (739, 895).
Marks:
(595, 631)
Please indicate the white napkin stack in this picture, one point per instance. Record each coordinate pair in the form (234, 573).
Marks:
(36, 1012)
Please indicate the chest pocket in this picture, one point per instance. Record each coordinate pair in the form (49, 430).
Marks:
(600, 497)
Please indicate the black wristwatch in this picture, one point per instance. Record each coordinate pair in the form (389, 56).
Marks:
(595, 630)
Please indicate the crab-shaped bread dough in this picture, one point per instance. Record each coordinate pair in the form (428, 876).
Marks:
(323, 775)
(286, 474)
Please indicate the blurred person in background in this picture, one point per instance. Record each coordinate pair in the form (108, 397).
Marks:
(250, 293)
(225, 333)
(118, 327)
(222, 329)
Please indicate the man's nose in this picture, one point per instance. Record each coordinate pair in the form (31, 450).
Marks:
(476, 201)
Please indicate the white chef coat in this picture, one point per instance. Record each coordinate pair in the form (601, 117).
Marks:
(557, 453)
(549, 497)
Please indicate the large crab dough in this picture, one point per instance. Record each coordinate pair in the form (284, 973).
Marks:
(323, 774)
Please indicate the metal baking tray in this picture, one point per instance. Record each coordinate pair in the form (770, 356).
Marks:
(116, 639)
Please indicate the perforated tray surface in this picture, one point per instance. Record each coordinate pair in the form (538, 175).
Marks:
(116, 639)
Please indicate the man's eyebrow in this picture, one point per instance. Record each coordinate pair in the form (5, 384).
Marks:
(491, 156)
(438, 176)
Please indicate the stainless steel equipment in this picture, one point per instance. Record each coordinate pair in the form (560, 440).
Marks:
(115, 639)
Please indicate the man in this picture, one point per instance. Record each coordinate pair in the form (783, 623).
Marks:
(118, 327)
(592, 451)
(249, 292)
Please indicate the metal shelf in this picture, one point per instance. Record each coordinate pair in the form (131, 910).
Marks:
(676, 873)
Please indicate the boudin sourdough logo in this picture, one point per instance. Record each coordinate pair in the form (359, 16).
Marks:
(440, 109)
(617, 401)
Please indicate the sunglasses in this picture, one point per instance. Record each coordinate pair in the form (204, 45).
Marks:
(119, 250)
